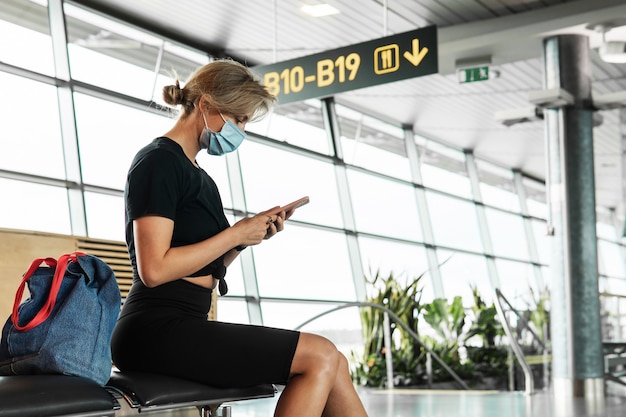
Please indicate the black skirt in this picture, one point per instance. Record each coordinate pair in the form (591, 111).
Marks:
(171, 341)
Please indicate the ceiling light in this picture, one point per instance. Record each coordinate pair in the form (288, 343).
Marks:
(319, 10)
(510, 117)
(551, 98)
(613, 52)
(610, 100)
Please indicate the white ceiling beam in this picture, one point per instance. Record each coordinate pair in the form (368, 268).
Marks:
(505, 38)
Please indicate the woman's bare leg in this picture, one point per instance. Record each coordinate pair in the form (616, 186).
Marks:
(343, 401)
(320, 383)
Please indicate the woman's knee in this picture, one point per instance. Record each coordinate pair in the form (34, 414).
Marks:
(343, 364)
(315, 352)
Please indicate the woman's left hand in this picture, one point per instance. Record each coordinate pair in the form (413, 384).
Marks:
(276, 225)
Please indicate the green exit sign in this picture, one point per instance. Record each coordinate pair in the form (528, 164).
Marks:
(470, 75)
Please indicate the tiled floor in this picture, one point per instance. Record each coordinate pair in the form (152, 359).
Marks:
(425, 403)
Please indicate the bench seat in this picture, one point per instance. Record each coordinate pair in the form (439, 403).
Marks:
(52, 396)
(152, 392)
(72, 396)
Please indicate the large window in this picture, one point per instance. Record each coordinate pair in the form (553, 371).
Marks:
(305, 263)
(496, 186)
(454, 222)
(105, 216)
(299, 124)
(389, 257)
(542, 240)
(274, 177)
(370, 143)
(611, 259)
(24, 27)
(333, 326)
(217, 168)
(113, 55)
(32, 206)
(369, 214)
(535, 193)
(507, 234)
(460, 272)
(110, 135)
(517, 283)
(384, 207)
(443, 168)
(30, 140)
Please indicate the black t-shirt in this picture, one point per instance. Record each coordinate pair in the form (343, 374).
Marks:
(162, 181)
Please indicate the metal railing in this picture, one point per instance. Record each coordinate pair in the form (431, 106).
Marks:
(613, 316)
(387, 339)
(529, 383)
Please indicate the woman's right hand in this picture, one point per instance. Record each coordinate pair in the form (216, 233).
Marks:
(252, 230)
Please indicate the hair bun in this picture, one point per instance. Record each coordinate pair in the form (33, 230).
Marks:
(173, 94)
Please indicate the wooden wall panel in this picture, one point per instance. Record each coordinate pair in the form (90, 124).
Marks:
(19, 248)
(17, 251)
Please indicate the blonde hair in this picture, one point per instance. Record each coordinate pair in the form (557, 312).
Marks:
(226, 85)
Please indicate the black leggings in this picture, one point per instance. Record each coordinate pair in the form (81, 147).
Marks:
(211, 352)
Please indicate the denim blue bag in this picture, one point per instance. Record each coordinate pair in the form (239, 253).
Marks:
(65, 326)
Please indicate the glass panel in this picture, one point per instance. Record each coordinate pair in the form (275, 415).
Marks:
(460, 272)
(36, 207)
(384, 207)
(535, 198)
(105, 216)
(109, 136)
(232, 310)
(542, 240)
(443, 168)
(275, 177)
(507, 234)
(612, 309)
(300, 124)
(302, 262)
(118, 57)
(611, 259)
(390, 257)
(496, 186)
(216, 167)
(547, 280)
(31, 139)
(372, 144)
(342, 327)
(616, 286)
(454, 222)
(24, 27)
(605, 228)
(517, 283)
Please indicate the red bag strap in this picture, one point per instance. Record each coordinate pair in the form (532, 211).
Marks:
(60, 266)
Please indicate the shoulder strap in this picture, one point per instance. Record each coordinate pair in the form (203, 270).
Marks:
(60, 266)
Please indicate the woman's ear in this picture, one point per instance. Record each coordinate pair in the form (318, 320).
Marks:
(201, 106)
(205, 104)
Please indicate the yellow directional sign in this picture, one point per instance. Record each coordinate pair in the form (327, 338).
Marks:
(392, 58)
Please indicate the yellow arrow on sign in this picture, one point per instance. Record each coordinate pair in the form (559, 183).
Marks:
(415, 56)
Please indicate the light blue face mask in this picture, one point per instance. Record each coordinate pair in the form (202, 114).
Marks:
(226, 140)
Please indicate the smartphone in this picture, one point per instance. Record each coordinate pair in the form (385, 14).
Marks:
(294, 204)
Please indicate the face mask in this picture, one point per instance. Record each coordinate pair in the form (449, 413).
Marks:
(226, 140)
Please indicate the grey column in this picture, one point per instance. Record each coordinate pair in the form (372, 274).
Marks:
(575, 312)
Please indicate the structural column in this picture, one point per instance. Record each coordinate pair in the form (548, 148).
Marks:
(575, 311)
